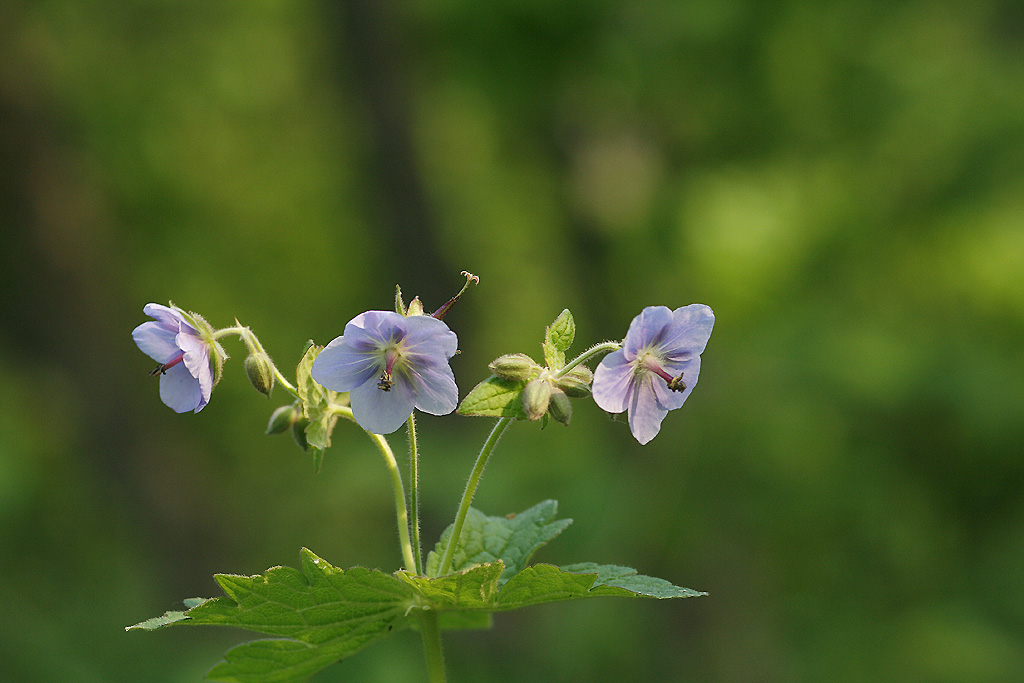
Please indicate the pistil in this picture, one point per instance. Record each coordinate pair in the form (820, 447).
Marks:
(386, 382)
(674, 383)
(162, 369)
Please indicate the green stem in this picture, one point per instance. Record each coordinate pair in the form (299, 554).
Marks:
(603, 347)
(431, 634)
(467, 497)
(253, 343)
(414, 486)
(401, 512)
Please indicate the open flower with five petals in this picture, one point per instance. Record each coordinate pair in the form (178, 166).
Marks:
(656, 368)
(183, 351)
(391, 364)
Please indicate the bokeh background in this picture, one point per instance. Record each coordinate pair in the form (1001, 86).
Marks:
(842, 182)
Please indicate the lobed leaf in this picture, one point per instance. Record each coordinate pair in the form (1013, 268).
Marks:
(547, 583)
(309, 390)
(512, 539)
(470, 589)
(321, 614)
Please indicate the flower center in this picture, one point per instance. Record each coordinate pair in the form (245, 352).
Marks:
(391, 356)
(161, 369)
(647, 361)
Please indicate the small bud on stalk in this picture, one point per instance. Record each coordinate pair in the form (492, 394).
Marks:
(299, 433)
(515, 367)
(260, 372)
(576, 382)
(282, 419)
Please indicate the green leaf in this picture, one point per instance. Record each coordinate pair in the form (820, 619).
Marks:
(479, 587)
(495, 397)
(612, 579)
(473, 588)
(318, 432)
(547, 583)
(323, 613)
(169, 617)
(512, 539)
(309, 390)
(316, 404)
(558, 338)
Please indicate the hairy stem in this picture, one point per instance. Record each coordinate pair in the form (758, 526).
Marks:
(467, 497)
(401, 512)
(414, 487)
(431, 633)
(253, 343)
(604, 347)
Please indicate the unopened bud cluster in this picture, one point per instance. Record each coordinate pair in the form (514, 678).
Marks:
(544, 393)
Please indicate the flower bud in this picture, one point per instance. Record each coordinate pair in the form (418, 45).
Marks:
(576, 382)
(516, 367)
(282, 419)
(260, 372)
(299, 433)
(536, 397)
(560, 407)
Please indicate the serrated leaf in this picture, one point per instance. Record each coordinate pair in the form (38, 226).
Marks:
(494, 397)
(168, 618)
(472, 588)
(547, 583)
(558, 338)
(323, 613)
(316, 404)
(309, 390)
(562, 331)
(615, 578)
(318, 432)
(512, 539)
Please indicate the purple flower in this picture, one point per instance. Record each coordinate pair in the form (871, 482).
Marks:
(186, 378)
(391, 364)
(656, 368)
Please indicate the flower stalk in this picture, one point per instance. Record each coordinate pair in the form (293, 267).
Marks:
(414, 487)
(401, 511)
(467, 497)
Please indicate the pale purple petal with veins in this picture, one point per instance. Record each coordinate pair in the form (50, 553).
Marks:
(187, 380)
(391, 364)
(657, 367)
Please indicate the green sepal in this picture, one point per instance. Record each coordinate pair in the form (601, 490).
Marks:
(558, 338)
(316, 402)
(512, 539)
(495, 397)
(399, 302)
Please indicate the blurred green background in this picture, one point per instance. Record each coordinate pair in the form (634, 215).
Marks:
(842, 182)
